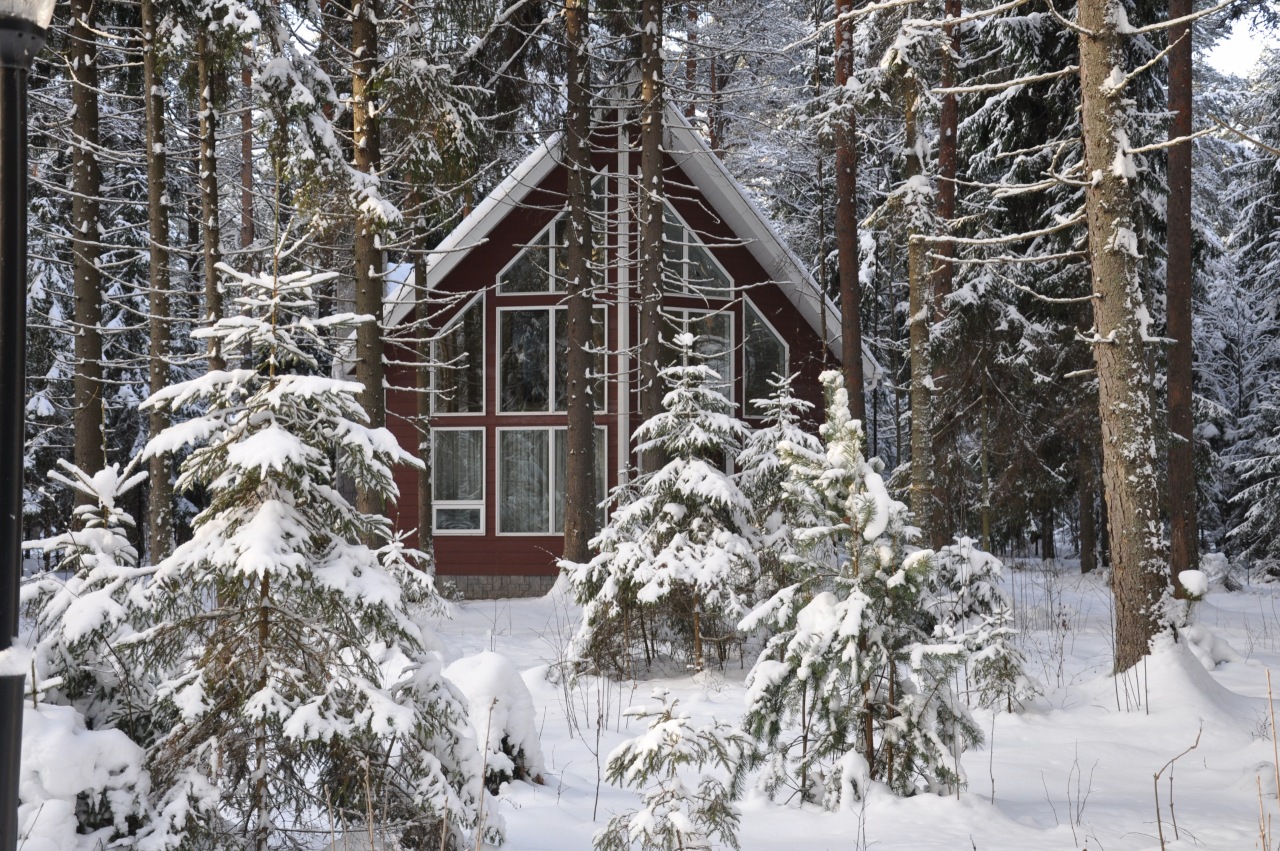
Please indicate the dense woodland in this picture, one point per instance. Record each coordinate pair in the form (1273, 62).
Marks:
(1072, 317)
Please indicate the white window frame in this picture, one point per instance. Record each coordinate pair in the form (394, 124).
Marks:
(748, 304)
(730, 380)
(691, 237)
(436, 504)
(484, 349)
(602, 434)
(548, 233)
(602, 403)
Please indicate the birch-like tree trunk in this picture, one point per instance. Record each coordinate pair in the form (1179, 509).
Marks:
(210, 227)
(1130, 463)
(86, 239)
(846, 142)
(1183, 543)
(918, 200)
(369, 264)
(650, 209)
(160, 507)
(580, 496)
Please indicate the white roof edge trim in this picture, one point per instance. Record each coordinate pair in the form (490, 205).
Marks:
(710, 175)
(471, 231)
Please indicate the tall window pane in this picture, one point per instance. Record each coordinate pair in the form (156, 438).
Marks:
(458, 464)
(525, 360)
(459, 380)
(457, 470)
(764, 355)
(714, 345)
(562, 359)
(562, 466)
(524, 481)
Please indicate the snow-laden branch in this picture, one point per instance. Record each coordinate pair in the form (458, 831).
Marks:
(1225, 126)
(1006, 84)
(1185, 19)
(1002, 240)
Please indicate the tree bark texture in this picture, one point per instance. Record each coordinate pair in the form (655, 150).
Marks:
(369, 265)
(86, 240)
(1088, 492)
(247, 230)
(920, 310)
(211, 230)
(426, 495)
(943, 271)
(160, 505)
(580, 496)
(1130, 475)
(649, 209)
(1183, 543)
(846, 143)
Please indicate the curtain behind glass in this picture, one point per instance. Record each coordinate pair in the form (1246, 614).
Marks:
(524, 481)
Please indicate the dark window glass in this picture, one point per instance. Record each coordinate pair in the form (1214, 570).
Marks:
(765, 357)
(562, 466)
(562, 359)
(460, 353)
(457, 519)
(525, 360)
(529, 272)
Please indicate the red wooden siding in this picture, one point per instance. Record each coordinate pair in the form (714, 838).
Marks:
(535, 555)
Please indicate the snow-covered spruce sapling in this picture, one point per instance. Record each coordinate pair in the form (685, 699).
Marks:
(679, 550)
(298, 692)
(675, 816)
(95, 698)
(965, 598)
(761, 474)
(82, 606)
(852, 688)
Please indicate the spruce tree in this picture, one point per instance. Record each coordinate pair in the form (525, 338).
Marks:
(296, 688)
(852, 688)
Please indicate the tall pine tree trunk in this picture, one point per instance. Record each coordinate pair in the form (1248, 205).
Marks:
(369, 265)
(86, 239)
(1183, 545)
(426, 496)
(944, 273)
(650, 207)
(160, 508)
(920, 315)
(1129, 458)
(247, 230)
(846, 142)
(1088, 491)
(210, 228)
(580, 496)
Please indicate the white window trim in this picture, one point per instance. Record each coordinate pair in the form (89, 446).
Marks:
(693, 238)
(484, 348)
(460, 503)
(602, 403)
(748, 304)
(550, 430)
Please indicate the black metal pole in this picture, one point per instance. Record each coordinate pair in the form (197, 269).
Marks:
(19, 42)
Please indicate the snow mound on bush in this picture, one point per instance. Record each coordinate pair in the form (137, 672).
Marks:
(499, 702)
(62, 760)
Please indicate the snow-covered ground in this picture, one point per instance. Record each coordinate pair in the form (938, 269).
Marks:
(1075, 770)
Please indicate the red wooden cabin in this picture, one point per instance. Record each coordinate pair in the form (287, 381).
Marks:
(497, 424)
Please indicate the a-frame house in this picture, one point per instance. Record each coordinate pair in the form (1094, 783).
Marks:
(498, 421)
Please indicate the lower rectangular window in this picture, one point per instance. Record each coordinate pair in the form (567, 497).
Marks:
(457, 472)
(531, 479)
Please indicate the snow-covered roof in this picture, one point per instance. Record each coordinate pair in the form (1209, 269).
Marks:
(723, 193)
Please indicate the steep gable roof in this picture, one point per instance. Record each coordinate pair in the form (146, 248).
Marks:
(726, 197)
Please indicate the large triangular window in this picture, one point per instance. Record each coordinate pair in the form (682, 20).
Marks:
(543, 264)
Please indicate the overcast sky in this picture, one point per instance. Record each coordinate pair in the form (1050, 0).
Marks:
(1239, 52)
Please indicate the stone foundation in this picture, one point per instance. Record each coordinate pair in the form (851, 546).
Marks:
(494, 587)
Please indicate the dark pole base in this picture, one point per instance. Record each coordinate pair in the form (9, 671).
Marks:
(10, 758)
